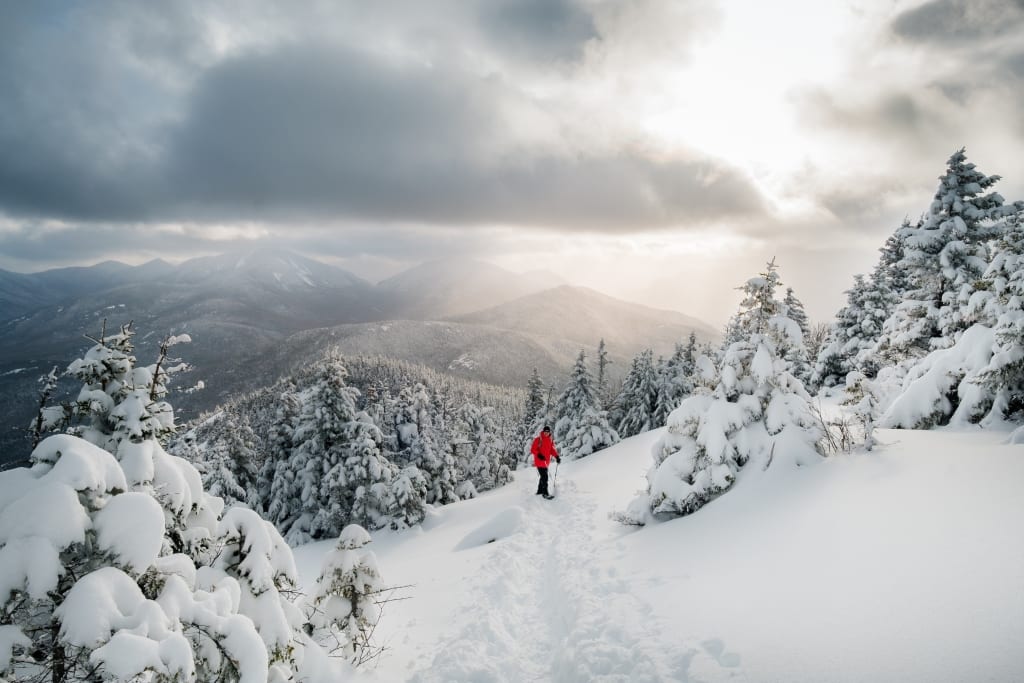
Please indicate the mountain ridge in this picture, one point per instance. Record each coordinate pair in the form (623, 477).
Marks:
(267, 311)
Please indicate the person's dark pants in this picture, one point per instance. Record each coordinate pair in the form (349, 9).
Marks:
(542, 485)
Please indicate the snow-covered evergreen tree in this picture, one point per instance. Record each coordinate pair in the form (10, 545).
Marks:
(120, 401)
(253, 553)
(336, 452)
(675, 380)
(48, 418)
(853, 335)
(278, 489)
(861, 396)
(602, 375)
(534, 415)
(732, 333)
(369, 474)
(1002, 307)
(637, 402)
(230, 466)
(118, 565)
(120, 408)
(795, 311)
(976, 379)
(408, 495)
(945, 254)
(344, 609)
(890, 275)
(485, 467)
(582, 427)
(757, 411)
(417, 445)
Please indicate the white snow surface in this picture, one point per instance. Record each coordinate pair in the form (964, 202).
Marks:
(904, 564)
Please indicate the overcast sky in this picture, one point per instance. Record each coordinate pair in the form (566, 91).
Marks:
(659, 151)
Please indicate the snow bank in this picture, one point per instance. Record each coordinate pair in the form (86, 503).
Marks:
(502, 525)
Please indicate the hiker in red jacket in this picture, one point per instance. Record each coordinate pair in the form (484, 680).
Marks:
(543, 450)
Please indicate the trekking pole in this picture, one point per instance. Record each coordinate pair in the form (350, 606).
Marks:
(554, 476)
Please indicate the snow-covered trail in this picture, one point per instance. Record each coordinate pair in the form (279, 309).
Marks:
(902, 565)
(512, 587)
(545, 606)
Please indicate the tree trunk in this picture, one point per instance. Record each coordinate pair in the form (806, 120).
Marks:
(59, 671)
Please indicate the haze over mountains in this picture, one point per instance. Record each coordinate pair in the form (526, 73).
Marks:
(256, 315)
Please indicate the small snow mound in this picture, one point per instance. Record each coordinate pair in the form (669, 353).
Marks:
(1016, 436)
(502, 525)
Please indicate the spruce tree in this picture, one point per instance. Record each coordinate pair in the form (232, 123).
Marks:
(847, 339)
(1002, 306)
(795, 311)
(757, 410)
(582, 427)
(637, 402)
(419, 446)
(344, 609)
(230, 465)
(890, 274)
(277, 489)
(368, 474)
(279, 481)
(675, 380)
(602, 374)
(485, 467)
(945, 254)
(336, 451)
(145, 579)
(861, 396)
(408, 495)
(534, 416)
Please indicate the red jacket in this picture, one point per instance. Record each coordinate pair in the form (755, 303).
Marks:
(543, 450)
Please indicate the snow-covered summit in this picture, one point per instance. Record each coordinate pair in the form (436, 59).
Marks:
(268, 268)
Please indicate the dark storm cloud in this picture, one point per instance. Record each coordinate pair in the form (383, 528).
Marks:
(539, 30)
(121, 113)
(335, 132)
(943, 22)
(81, 104)
(92, 131)
(342, 134)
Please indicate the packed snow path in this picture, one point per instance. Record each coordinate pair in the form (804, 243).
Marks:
(543, 606)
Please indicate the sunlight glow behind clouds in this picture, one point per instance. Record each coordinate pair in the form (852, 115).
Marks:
(638, 146)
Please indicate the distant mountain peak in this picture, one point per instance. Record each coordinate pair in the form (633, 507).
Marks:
(277, 268)
(575, 314)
